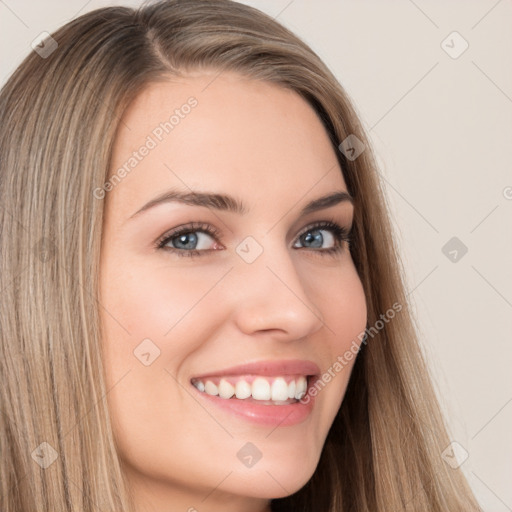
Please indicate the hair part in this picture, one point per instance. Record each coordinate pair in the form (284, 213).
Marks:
(60, 116)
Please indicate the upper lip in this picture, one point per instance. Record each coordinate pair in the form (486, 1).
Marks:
(269, 368)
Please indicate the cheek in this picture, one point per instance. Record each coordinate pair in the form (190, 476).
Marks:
(343, 306)
(154, 319)
(351, 310)
(149, 317)
(342, 302)
(142, 301)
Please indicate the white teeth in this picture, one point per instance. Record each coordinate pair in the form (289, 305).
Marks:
(302, 386)
(291, 389)
(226, 390)
(279, 390)
(199, 385)
(242, 389)
(211, 388)
(260, 389)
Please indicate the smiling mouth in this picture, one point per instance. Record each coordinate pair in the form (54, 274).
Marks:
(264, 390)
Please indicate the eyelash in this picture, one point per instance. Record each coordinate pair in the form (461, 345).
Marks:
(341, 234)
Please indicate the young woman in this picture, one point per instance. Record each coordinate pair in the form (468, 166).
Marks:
(202, 306)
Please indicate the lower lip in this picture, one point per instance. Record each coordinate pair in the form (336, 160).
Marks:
(274, 415)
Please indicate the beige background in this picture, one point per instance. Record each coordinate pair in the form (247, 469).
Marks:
(442, 131)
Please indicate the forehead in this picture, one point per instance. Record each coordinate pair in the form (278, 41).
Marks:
(225, 133)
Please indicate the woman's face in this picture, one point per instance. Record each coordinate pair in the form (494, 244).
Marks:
(247, 302)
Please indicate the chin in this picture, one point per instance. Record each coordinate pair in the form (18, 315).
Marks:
(276, 480)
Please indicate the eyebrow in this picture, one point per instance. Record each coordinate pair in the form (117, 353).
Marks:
(223, 202)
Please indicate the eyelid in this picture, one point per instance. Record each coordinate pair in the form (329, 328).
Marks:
(327, 223)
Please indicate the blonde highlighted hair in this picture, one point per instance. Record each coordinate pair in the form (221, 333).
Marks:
(59, 117)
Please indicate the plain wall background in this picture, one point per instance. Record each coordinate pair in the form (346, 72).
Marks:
(441, 128)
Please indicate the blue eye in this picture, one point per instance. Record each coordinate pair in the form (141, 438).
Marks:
(188, 240)
(184, 240)
(312, 237)
(191, 239)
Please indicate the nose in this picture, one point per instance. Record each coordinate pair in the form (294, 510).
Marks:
(271, 296)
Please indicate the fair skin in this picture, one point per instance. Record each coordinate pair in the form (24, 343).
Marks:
(265, 146)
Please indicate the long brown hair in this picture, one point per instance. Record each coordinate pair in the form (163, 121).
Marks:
(59, 114)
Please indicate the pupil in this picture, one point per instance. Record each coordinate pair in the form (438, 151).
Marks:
(314, 238)
(183, 239)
